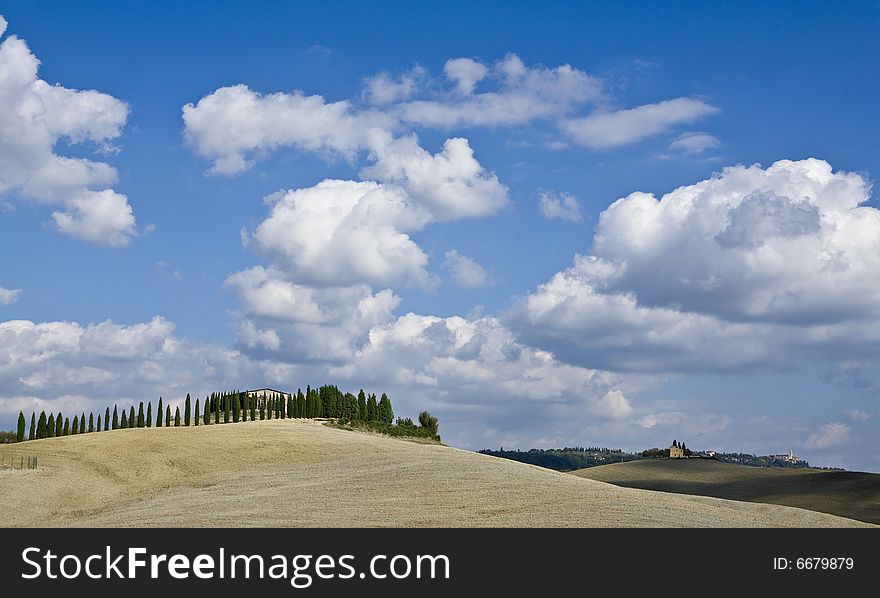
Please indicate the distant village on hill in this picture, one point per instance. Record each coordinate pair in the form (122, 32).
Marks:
(578, 457)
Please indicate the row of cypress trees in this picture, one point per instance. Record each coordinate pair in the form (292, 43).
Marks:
(223, 407)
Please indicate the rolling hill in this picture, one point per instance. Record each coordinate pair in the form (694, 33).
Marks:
(845, 493)
(300, 473)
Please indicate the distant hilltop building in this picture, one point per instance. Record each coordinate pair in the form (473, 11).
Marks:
(267, 393)
(789, 458)
(676, 451)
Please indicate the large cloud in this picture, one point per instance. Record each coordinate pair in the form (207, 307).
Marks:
(751, 267)
(232, 126)
(294, 322)
(340, 233)
(451, 184)
(68, 366)
(35, 117)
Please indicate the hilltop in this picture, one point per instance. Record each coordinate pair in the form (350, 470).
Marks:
(845, 493)
(301, 473)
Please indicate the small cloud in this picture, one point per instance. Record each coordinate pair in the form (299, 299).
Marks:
(465, 271)
(693, 143)
(8, 296)
(164, 269)
(561, 206)
(830, 435)
(317, 49)
(556, 145)
(856, 415)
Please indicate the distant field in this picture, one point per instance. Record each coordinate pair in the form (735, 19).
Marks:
(844, 493)
(298, 473)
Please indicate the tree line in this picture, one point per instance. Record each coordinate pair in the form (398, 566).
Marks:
(232, 407)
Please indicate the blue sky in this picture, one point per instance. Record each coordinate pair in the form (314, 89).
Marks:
(738, 318)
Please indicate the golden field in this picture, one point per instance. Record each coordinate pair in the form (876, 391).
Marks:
(285, 473)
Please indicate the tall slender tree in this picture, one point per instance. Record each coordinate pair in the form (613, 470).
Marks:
(33, 429)
(236, 409)
(66, 430)
(141, 421)
(50, 426)
(59, 425)
(177, 417)
(124, 420)
(19, 435)
(207, 414)
(131, 420)
(107, 418)
(187, 410)
(226, 409)
(115, 418)
(167, 416)
(386, 413)
(159, 414)
(253, 404)
(372, 409)
(75, 429)
(99, 422)
(41, 425)
(91, 422)
(197, 412)
(362, 406)
(149, 414)
(216, 411)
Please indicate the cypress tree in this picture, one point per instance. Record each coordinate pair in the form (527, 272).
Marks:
(177, 417)
(187, 411)
(19, 436)
(226, 407)
(167, 416)
(197, 412)
(159, 414)
(386, 413)
(91, 422)
(59, 424)
(216, 411)
(75, 429)
(131, 420)
(33, 430)
(269, 409)
(140, 420)
(99, 422)
(124, 420)
(149, 414)
(50, 426)
(107, 418)
(262, 410)
(115, 418)
(236, 409)
(82, 422)
(253, 405)
(66, 430)
(362, 406)
(207, 417)
(41, 425)
(372, 409)
(290, 409)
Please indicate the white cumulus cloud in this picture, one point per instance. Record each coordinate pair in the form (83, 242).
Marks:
(751, 267)
(35, 117)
